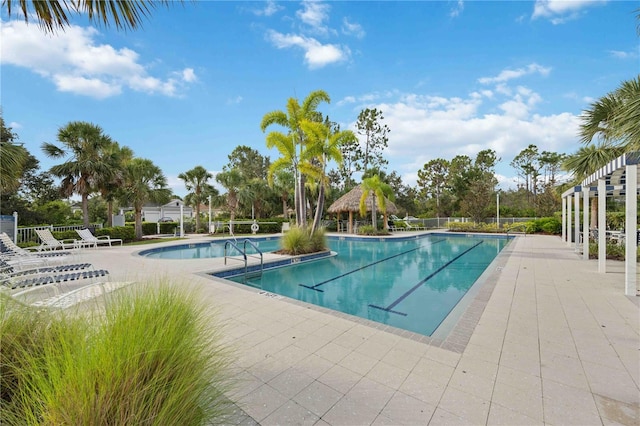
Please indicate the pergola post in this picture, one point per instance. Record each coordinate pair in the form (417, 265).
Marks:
(585, 222)
(569, 222)
(576, 225)
(564, 219)
(630, 230)
(602, 225)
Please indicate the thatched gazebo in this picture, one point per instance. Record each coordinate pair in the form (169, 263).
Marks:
(350, 202)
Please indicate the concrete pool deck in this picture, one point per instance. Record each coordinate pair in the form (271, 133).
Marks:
(550, 341)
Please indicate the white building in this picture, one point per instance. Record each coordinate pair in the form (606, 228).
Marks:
(154, 212)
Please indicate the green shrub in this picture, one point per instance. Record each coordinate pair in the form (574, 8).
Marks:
(152, 356)
(66, 235)
(615, 220)
(125, 233)
(296, 241)
(318, 240)
(462, 226)
(399, 224)
(264, 228)
(369, 230)
(614, 251)
(549, 225)
(149, 228)
(22, 330)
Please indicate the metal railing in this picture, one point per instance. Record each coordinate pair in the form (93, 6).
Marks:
(243, 252)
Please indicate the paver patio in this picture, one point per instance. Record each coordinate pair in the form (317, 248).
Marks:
(555, 343)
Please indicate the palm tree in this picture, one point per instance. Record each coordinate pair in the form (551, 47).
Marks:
(88, 147)
(231, 180)
(196, 181)
(143, 182)
(118, 157)
(55, 14)
(281, 181)
(323, 146)
(292, 145)
(615, 117)
(379, 192)
(12, 160)
(586, 161)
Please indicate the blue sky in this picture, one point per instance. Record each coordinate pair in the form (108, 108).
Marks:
(451, 77)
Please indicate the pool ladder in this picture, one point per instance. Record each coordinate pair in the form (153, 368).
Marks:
(245, 256)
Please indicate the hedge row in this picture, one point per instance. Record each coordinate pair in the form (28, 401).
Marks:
(125, 233)
(151, 228)
(546, 225)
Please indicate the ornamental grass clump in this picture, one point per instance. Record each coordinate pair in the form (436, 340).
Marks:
(151, 357)
(298, 241)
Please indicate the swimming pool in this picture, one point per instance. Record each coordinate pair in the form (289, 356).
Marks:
(209, 249)
(412, 284)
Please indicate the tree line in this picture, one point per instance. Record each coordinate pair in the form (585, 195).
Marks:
(316, 165)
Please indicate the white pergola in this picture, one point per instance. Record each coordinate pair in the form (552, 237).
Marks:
(619, 177)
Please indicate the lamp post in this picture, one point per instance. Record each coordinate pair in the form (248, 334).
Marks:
(209, 213)
(498, 210)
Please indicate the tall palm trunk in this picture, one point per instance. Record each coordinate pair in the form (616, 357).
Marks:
(85, 210)
(301, 211)
(233, 205)
(285, 209)
(197, 217)
(319, 209)
(374, 218)
(138, 225)
(110, 213)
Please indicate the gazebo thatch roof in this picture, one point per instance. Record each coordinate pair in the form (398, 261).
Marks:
(350, 202)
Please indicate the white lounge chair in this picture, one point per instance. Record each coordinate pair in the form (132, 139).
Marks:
(88, 239)
(49, 242)
(18, 257)
(410, 227)
(63, 290)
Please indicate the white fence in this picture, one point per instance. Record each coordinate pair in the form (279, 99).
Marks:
(441, 222)
(29, 234)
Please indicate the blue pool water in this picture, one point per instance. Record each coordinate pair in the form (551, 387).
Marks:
(209, 249)
(410, 284)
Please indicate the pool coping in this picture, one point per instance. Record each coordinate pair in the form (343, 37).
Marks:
(461, 320)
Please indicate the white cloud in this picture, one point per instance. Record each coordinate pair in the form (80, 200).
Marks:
(623, 55)
(457, 9)
(189, 75)
(234, 101)
(316, 54)
(312, 23)
(561, 11)
(346, 100)
(506, 75)
(352, 28)
(270, 8)
(426, 127)
(314, 14)
(86, 86)
(15, 125)
(75, 62)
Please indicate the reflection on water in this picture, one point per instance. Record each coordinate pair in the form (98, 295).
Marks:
(210, 250)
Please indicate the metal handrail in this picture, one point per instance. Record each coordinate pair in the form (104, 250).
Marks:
(244, 254)
(232, 244)
(259, 252)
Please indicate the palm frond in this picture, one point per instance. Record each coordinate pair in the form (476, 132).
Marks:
(53, 15)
